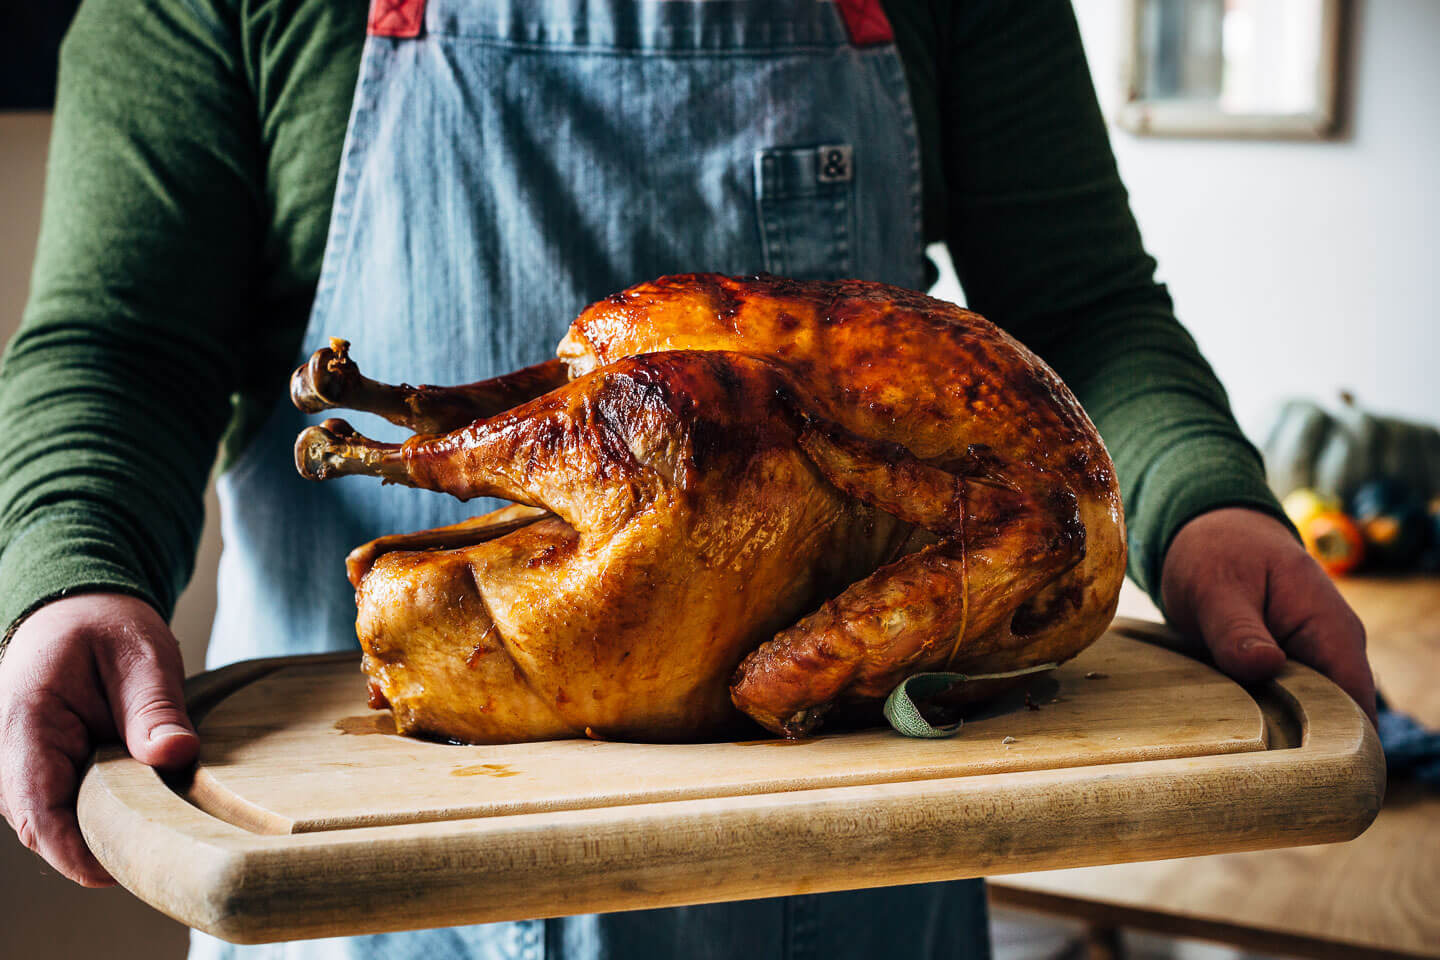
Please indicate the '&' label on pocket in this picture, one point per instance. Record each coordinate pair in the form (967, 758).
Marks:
(805, 204)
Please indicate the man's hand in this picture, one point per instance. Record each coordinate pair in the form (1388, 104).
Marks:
(1240, 581)
(79, 671)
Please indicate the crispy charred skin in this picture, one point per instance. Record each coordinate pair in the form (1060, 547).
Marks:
(886, 363)
(780, 495)
(941, 382)
(688, 524)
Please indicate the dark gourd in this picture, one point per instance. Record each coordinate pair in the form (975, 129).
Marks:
(1336, 454)
(1393, 522)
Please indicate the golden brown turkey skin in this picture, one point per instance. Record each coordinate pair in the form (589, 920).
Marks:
(753, 491)
(688, 524)
(943, 383)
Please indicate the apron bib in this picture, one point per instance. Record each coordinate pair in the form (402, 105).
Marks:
(508, 162)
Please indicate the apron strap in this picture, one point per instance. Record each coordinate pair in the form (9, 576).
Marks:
(396, 18)
(865, 20)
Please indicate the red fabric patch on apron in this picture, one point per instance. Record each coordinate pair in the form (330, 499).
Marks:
(866, 21)
(396, 18)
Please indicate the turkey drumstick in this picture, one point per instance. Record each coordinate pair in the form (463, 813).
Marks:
(935, 609)
(569, 451)
(331, 380)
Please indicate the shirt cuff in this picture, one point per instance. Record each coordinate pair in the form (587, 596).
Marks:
(61, 554)
(1193, 477)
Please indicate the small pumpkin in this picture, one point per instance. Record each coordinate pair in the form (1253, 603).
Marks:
(1336, 454)
(1393, 522)
(1334, 541)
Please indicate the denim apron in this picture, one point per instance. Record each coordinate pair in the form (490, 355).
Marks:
(506, 163)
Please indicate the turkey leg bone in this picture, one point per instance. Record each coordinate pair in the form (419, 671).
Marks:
(561, 452)
(945, 606)
(330, 380)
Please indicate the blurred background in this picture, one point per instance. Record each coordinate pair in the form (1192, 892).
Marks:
(1302, 253)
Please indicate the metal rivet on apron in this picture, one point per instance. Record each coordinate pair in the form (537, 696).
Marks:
(834, 166)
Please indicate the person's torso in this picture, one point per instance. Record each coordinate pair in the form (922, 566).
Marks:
(505, 163)
(302, 59)
(510, 163)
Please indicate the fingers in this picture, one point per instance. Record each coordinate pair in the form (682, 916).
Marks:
(1234, 630)
(78, 671)
(1214, 583)
(1323, 632)
(1336, 657)
(41, 756)
(1240, 580)
(144, 681)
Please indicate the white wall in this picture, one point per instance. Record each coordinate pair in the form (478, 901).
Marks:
(1303, 268)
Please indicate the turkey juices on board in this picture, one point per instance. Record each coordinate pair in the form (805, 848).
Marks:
(731, 492)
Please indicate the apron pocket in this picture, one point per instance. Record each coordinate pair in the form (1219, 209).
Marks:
(805, 202)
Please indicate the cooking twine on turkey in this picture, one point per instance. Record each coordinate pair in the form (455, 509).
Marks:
(754, 493)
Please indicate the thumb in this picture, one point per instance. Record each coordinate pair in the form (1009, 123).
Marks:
(144, 681)
(1235, 632)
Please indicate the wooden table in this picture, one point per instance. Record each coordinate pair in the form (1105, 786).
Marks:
(1378, 895)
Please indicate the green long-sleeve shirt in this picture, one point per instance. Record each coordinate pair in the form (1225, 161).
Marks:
(192, 167)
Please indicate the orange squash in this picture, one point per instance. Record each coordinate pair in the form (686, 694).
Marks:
(1334, 540)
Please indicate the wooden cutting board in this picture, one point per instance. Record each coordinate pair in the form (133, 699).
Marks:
(307, 816)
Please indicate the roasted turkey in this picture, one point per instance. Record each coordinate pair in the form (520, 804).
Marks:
(731, 496)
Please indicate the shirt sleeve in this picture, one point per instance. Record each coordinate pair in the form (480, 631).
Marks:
(116, 389)
(1044, 243)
